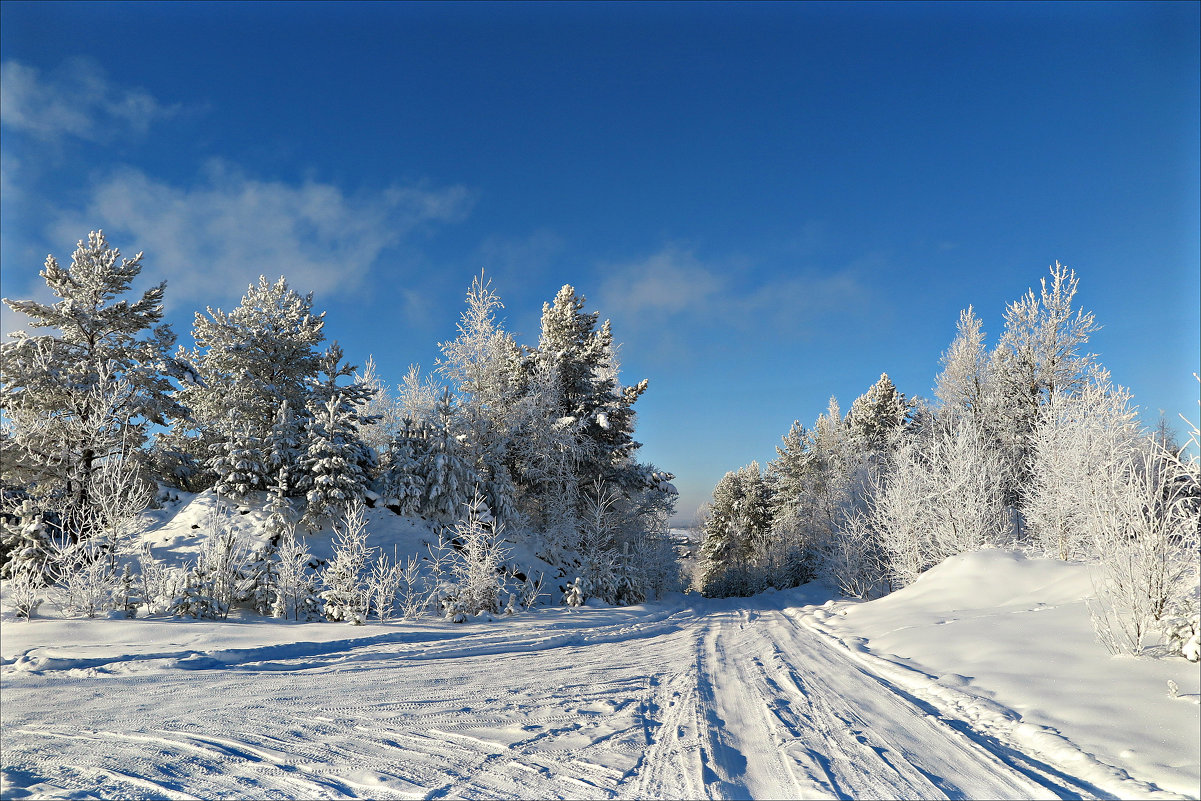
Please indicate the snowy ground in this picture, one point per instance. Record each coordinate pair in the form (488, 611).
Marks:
(980, 681)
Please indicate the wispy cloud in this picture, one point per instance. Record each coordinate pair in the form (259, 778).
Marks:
(76, 100)
(666, 298)
(212, 239)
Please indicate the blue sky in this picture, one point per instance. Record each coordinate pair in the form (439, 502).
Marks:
(773, 203)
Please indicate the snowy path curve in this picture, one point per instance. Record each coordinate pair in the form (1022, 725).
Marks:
(734, 699)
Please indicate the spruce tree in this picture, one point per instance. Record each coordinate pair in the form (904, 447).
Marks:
(59, 389)
(332, 463)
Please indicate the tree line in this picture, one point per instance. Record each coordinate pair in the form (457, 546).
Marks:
(1029, 443)
(103, 413)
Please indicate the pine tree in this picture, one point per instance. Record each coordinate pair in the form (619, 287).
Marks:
(237, 465)
(447, 473)
(585, 361)
(265, 349)
(59, 391)
(285, 448)
(333, 462)
(877, 416)
(738, 526)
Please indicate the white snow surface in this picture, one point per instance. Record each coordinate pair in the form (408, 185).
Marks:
(982, 680)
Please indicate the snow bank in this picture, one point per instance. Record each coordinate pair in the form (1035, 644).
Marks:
(1007, 642)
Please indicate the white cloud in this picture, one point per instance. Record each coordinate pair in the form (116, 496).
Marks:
(75, 100)
(212, 239)
(660, 299)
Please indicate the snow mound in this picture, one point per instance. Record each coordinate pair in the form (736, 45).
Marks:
(1005, 641)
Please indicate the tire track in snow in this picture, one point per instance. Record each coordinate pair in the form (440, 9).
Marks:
(735, 700)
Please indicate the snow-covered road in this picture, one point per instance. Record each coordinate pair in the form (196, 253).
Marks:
(731, 699)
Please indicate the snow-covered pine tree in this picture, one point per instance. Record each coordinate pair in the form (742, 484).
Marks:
(739, 524)
(267, 344)
(586, 363)
(237, 465)
(400, 480)
(447, 474)
(25, 545)
(876, 416)
(285, 448)
(52, 395)
(333, 463)
(280, 514)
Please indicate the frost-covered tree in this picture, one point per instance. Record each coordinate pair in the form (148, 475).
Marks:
(345, 593)
(333, 462)
(1078, 438)
(483, 364)
(585, 360)
(380, 407)
(447, 474)
(1040, 351)
(285, 449)
(265, 348)
(942, 496)
(964, 386)
(876, 416)
(58, 388)
(417, 398)
(238, 465)
(738, 526)
(400, 479)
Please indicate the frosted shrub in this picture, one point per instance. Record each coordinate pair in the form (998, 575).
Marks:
(384, 584)
(345, 594)
(1146, 539)
(295, 584)
(476, 568)
(854, 560)
(413, 593)
(211, 585)
(159, 584)
(24, 592)
(530, 591)
(85, 581)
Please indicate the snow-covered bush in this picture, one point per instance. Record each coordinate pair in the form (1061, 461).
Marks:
(384, 584)
(159, 585)
(345, 595)
(24, 589)
(855, 561)
(1146, 541)
(476, 567)
(295, 584)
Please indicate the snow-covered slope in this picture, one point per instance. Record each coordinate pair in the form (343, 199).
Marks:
(686, 697)
(1006, 642)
